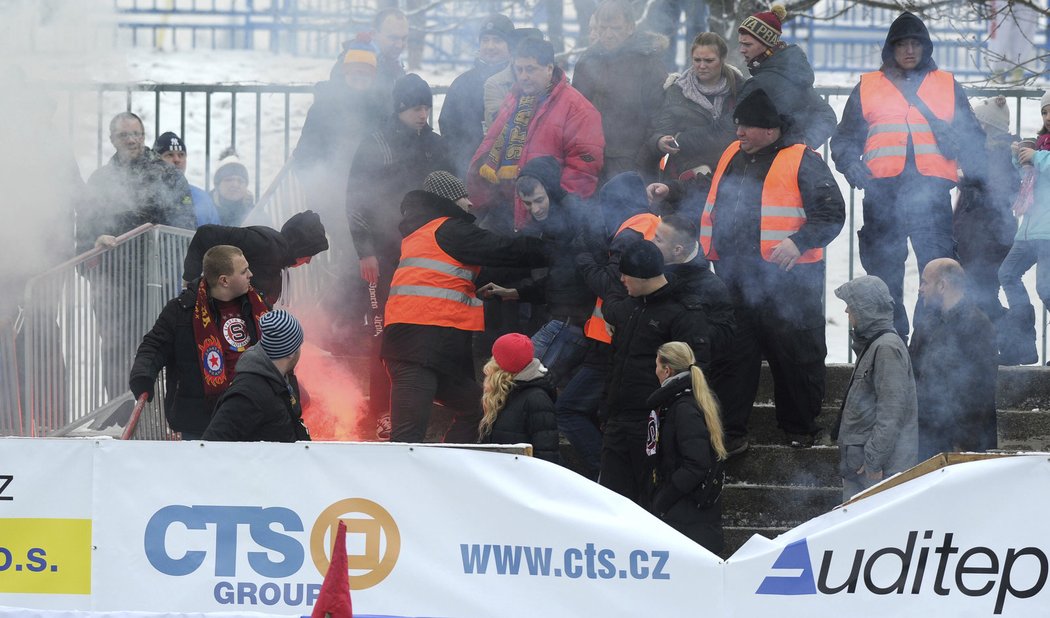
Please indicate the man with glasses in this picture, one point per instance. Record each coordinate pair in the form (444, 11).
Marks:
(136, 186)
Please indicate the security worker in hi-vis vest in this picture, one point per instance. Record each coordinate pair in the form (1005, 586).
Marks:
(772, 208)
(433, 310)
(905, 132)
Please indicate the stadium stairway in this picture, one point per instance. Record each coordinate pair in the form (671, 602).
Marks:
(773, 487)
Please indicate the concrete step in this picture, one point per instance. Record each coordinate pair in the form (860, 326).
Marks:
(782, 465)
(1024, 430)
(773, 506)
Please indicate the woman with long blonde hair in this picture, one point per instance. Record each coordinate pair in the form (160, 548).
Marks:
(686, 448)
(517, 399)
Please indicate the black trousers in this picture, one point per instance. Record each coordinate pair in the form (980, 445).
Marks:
(623, 458)
(779, 316)
(415, 388)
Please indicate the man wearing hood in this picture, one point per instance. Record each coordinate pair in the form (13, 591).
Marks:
(877, 429)
(785, 74)
(388, 164)
(267, 250)
(463, 111)
(622, 75)
(543, 115)
(888, 146)
(433, 310)
(773, 208)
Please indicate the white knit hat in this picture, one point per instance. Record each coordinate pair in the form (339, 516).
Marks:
(1043, 102)
(993, 112)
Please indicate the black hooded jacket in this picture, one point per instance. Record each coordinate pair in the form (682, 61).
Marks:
(847, 145)
(441, 348)
(569, 230)
(268, 251)
(787, 78)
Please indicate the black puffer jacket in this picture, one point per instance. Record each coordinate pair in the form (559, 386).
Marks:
(682, 460)
(260, 405)
(528, 416)
(442, 348)
(337, 121)
(787, 78)
(625, 86)
(171, 344)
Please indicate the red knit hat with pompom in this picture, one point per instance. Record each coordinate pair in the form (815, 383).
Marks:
(766, 26)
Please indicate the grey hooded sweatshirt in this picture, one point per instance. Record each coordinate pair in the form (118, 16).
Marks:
(879, 427)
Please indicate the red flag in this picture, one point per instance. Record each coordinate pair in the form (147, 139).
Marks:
(334, 598)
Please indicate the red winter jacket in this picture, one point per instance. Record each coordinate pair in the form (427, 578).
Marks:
(566, 127)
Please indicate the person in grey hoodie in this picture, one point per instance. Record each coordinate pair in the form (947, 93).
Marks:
(878, 426)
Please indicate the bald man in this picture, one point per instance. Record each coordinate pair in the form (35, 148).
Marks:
(955, 361)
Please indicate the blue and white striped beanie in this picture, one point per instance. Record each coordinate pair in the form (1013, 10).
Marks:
(281, 334)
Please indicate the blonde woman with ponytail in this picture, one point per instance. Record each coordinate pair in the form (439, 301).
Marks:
(686, 448)
(517, 399)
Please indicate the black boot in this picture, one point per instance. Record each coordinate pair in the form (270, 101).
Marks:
(1017, 337)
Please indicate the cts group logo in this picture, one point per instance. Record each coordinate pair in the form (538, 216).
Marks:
(246, 546)
(928, 564)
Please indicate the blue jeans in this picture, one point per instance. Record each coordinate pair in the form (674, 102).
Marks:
(560, 348)
(575, 407)
(1023, 255)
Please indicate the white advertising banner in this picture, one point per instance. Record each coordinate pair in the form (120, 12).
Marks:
(191, 528)
(966, 540)
(431, 532)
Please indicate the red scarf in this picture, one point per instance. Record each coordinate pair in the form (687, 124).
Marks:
(206, 333)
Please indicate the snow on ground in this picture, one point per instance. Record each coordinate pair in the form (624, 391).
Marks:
(259, 67)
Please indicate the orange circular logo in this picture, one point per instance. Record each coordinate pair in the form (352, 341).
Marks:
(373, 541)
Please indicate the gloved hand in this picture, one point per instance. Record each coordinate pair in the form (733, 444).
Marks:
(858, 175)
(142, 385)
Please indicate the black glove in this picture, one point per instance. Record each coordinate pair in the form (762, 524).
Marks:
(857, 175)
(140, 386)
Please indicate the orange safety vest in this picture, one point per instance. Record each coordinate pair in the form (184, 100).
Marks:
(596, 327)
(432, 288)
(782, 210)
(892, 119)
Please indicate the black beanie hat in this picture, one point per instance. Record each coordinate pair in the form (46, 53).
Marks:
(758, 110)
(411, 90)
(498, 25)
(168, 142)
(642, 260)
(305, 235)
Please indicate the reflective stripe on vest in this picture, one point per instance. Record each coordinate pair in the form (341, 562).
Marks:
(431, 288)
(891, 119)
(596, 327)
(782, 211)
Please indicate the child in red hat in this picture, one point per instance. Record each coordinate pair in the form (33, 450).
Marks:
(518, 399)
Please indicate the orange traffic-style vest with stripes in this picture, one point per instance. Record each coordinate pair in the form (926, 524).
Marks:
(782, 210)
(891, 119)
(431, 288)
(596, 327)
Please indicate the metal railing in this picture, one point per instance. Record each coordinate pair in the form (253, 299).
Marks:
(84, 320)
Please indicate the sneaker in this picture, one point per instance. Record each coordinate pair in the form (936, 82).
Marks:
(383, 428)
(736, 445)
